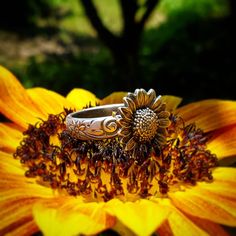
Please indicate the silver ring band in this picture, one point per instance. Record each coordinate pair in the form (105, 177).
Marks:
(94, 123)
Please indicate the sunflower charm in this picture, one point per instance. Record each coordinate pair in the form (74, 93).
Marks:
(144, 119)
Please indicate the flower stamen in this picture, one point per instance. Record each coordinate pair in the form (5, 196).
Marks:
(102, 170)
(145, 125)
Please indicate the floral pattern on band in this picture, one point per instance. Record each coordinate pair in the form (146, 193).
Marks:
(96, 129)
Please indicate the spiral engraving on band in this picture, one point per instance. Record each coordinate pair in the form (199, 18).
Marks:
(93, 129)
(109, 126)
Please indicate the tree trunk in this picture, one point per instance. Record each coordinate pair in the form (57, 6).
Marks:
(126, 58)
(124, 48)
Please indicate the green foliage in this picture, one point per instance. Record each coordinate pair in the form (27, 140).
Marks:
(203, 8)
(180, 14)
(185, 49)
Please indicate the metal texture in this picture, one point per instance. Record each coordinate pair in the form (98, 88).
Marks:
(143, 120)
(94, 123)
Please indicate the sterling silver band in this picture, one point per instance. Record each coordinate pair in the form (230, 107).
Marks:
(94, 123)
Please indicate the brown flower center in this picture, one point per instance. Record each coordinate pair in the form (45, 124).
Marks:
(102, 170)
(145, 125)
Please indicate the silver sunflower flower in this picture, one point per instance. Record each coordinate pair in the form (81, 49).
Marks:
(144, 119)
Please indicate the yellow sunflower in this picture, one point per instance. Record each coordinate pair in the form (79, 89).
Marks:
(58, 185)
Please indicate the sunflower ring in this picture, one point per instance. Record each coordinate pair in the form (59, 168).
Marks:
(141, 119)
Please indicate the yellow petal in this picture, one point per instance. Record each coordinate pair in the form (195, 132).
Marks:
(14, 183)
(15, 215)
(224, 175)
(28, 228)
(209, 114)
(48, 101)
(172, 102)
(208, 226)
(214, 201)
(182, 225)
(179, 223)
(9, 166)
(72, 217)
(15, 103)
(223, 144)
(142, 217)
(81, 98)
(10, 137)
(113, 98)
(18, 194)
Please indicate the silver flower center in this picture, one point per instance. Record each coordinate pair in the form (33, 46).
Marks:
(145, 125)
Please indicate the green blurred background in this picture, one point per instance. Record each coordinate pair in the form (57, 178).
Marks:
(185, 48)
